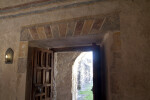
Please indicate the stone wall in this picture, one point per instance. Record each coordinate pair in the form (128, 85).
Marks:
(129, 80)
(13, 80)
(127, 53)
(134, 73)
(113, 56)
(63, 74)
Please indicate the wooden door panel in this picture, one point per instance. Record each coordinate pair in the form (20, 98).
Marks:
(42, 74)
(39, 76)
(47, 76)
(99, 72)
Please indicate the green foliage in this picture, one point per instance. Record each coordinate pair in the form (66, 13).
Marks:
(88, 93)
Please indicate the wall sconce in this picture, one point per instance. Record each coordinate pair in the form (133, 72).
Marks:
(9, 56)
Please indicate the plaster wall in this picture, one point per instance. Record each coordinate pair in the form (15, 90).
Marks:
(135, 38)
(128, 78)
(8, 3)
(127, 54)
(12, 84)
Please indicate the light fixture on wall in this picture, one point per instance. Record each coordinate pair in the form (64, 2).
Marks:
(9, 56)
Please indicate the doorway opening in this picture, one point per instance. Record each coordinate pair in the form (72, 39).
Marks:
(67, 78)
(82, 76)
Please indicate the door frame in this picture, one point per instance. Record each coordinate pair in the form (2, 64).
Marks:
(99, 68)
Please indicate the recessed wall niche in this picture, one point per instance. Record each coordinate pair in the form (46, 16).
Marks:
(9, 56)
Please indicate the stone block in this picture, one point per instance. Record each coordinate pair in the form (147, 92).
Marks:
(71, 28)
(111, 23)
(55, 31)
(116, 41)
(41, 32)
(79, 27)
(23, 49)
(96, 26)
(25, 35)
(87, 26)
(48, 32)
(34, 33)
(63, 29)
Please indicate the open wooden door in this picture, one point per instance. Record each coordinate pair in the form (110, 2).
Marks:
(42, 63)
(99, 74)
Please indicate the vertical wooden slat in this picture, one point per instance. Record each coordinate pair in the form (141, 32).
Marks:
(50, 57)
(42, 54)
(52, 62)
(43, 76)
(40, 97)
(35, 63)
(38, 55)
(47, 59)
(45, 91)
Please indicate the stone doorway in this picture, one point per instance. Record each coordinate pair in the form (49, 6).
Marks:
(49, 32)
(41, 35)
(82, 77)
(62, 81)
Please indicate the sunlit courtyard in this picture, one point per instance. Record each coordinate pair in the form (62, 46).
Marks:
(84, 68)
